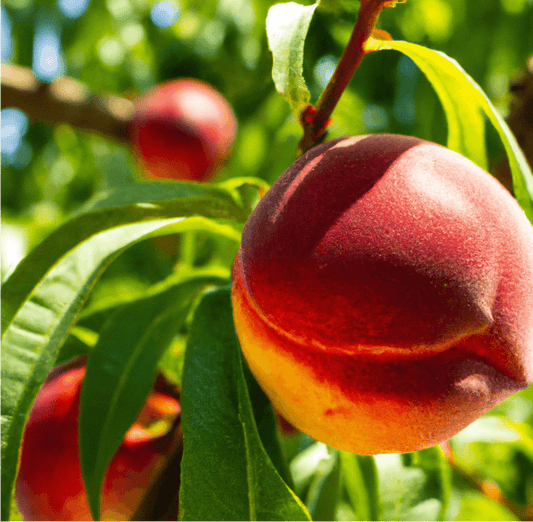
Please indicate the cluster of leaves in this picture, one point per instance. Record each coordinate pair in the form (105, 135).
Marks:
(98, 284)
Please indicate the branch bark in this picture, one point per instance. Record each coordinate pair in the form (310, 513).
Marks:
(65, 100)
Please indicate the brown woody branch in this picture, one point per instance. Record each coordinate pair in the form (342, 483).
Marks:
(65, 100)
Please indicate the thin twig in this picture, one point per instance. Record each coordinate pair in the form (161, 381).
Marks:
(487, 487)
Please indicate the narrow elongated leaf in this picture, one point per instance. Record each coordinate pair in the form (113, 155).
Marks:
(305, 464)
(438, 472)
(323, 495)
(500, 451)
(226, 473)
(360, 480)
(465, 104)
(466, 126)
(249, 189)
(32, 338)
(120, 373)
(490, 429)
(267, 425)
(133, 204)
(81, 340)
(109, 304)
(287, 26)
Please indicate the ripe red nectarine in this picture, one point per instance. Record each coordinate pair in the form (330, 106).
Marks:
(49, 483)
(182, 129)
(382, 293)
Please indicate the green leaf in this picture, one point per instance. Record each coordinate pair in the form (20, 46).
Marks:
(287, 26)
(465, 105)
(120, 373)
(222, 201)
(438, 472)
(466, 125)
(108, 304)
(323, 494)
(316, 473)
(133, 204)
(226, 473)
(360, 480)
(248, 189)
(498, 451)
(80, 341)
(304, 465)
(476, 506)
(34, 335)
(267, 425)
(414, 486)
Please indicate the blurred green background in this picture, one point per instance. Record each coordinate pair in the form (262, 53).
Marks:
(124, 47)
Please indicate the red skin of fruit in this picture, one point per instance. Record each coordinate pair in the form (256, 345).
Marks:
(49, 483)
(383, 295)
(285, 426)
(182, 129)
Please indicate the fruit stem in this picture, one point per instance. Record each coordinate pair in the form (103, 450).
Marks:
(315, 120)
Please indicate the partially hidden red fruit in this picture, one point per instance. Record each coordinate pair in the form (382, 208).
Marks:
(182, 129)
(383, 295)
(285, 426)
(49, 484)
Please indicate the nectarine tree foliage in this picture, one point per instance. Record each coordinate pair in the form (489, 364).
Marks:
(343, 327)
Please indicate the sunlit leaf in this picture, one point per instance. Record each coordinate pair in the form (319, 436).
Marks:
(414, 486)
(138, 203)
(466, 105)
(287, 26)
(500, 452)
(476, 506)
(490, 429)
(323, 493)
(32, 337)
(360, 480)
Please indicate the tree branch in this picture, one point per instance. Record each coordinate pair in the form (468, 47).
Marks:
(65, 100)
